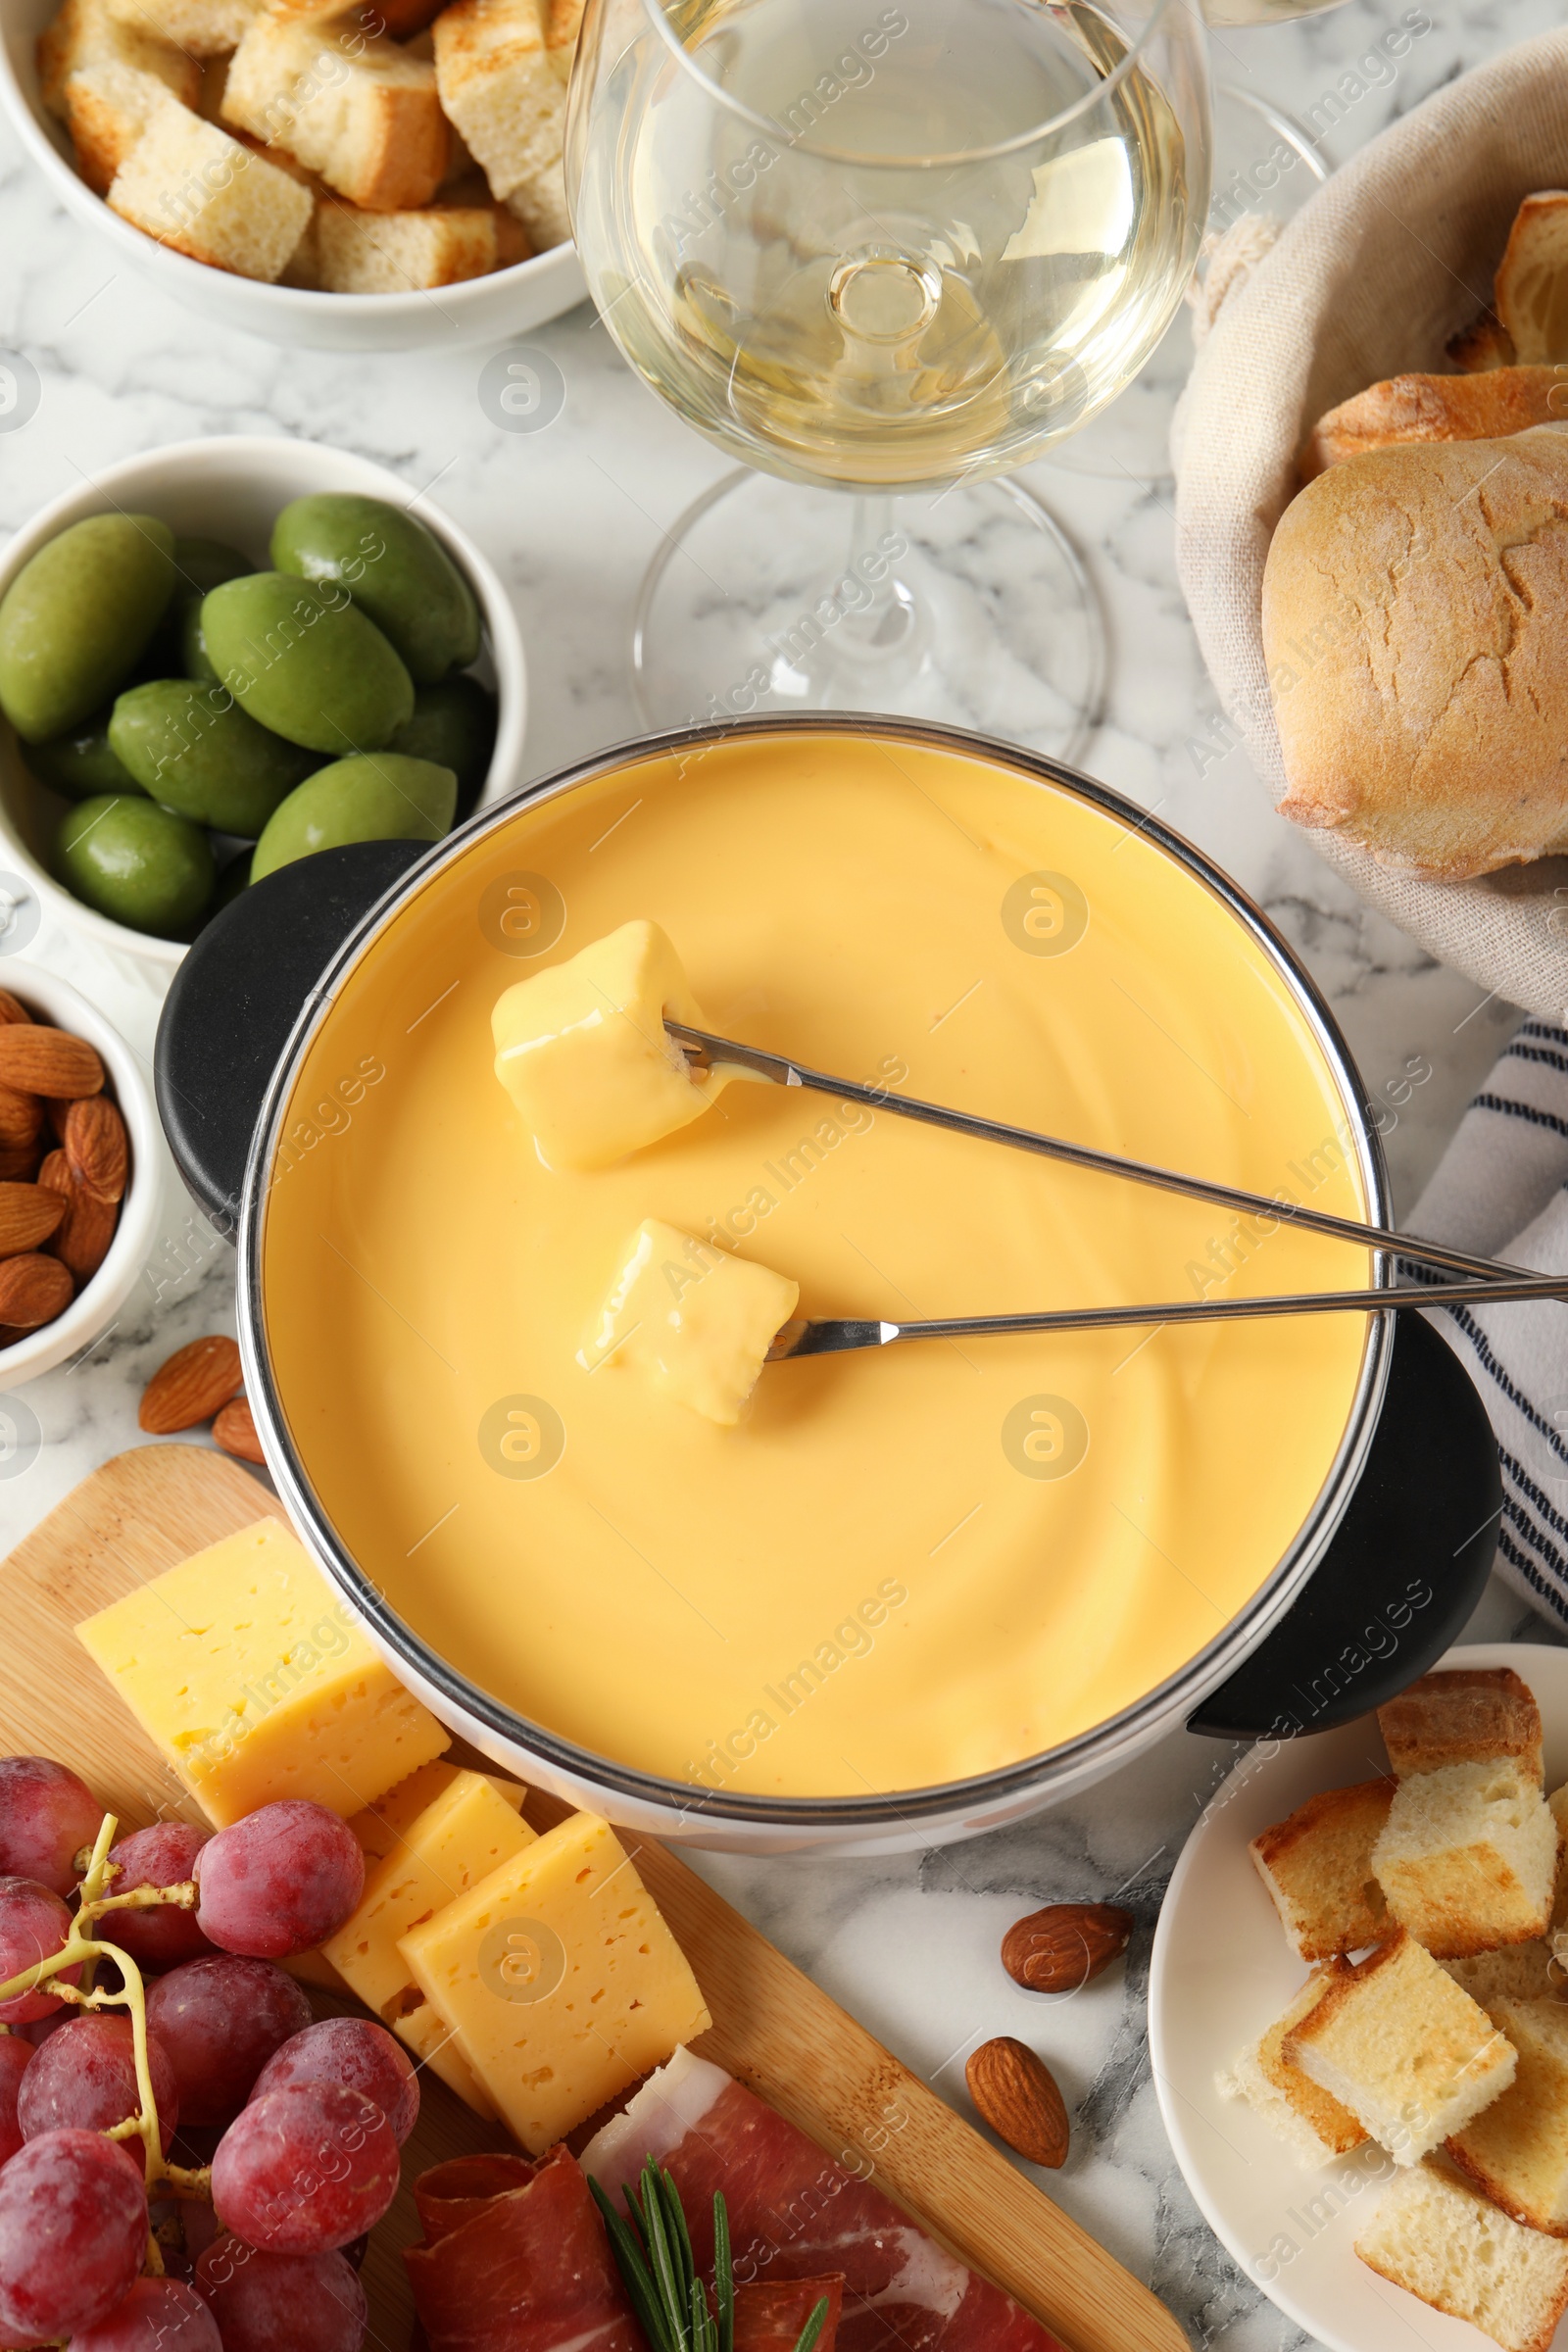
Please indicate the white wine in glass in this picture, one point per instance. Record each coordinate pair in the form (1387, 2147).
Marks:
(884, 248)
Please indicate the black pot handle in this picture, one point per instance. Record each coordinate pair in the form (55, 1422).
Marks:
(235, 999)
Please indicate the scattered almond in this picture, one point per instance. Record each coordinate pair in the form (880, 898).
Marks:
(34, 1289)
(197, 1381)
(235, 1431)
(1067, 1945)
(20, 1118)
(29, 1215)
(88, 1225)
(12, 1009)
(1016, 2094)
(96, 1147)
(48, 1061)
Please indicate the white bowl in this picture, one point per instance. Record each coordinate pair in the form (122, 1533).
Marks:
(229, 489)
(509, 301)
(94, 1308)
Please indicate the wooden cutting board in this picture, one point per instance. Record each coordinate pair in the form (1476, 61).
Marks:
(773, 2026)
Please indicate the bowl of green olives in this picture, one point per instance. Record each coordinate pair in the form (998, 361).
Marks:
(230, 653)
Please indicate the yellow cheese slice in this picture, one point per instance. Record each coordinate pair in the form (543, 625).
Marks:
(560, 1980)
(434, 2044)
(381, 1827)
(257, 1682)
(692, 1320)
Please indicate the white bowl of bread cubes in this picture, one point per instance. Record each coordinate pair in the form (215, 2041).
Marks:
(1400, 2118)
(373, 178)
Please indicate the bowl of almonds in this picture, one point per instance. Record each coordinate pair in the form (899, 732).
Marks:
(78, 1173)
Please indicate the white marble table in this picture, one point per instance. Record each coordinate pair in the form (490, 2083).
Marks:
(571, 516)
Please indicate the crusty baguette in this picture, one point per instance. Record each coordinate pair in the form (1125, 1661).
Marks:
(354, 109)
(191, 186)
(107, 110)
(1317, 1867)
(1442, 2241)
(1485, 343)
(1437, 408)
(400, 253)
(85, 33)
(1462, 1715)
(1413, 625)
(1532, 288)
(200, 27)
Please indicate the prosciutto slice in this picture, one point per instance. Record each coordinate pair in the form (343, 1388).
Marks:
(794, 2214)
(515, 2260)
(769, 2318)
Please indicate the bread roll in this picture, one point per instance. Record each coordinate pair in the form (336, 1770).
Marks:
(1437, 408)
(1415, 624)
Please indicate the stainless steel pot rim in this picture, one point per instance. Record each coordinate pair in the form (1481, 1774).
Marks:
(1080, 1755)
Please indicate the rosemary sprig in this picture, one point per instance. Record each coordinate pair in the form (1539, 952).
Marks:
(658, 2269)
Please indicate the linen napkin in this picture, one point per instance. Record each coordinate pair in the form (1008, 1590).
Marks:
(1499, 1189)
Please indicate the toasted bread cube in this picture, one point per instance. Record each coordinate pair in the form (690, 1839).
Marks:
(501, 90)
(1464, 1715)
(397, 253)
(84, 34)
(1318, 1868)
(1468, 1858)
(303, 268)
(1517, 2149)
(1532, 288)
(354, 109)
(107, 110)
(1440, 2239)
(200, 27)
(191, 186)
(1316, 2126)
(1519, 1972)
(1404, 2048)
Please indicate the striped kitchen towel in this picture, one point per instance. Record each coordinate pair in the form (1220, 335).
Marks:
(1499, 1189)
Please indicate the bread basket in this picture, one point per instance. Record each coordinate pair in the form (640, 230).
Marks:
(1369, 281)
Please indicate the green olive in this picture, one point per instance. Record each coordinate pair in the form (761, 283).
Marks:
(194, 750)
(76, 619)
(305, 662)
(200, 565)
(455, 725)
(79, 763)
(193, 660)
(379, 797)
(140, 866)
(394, 569)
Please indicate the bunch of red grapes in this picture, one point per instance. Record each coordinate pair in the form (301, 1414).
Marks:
(311, 2116)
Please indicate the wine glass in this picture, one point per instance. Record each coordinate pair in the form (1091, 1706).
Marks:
(884, 250)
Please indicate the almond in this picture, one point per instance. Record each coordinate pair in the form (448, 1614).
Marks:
(1067, 1945)
(32, 1291)
(96, 1147)
(1016, 2094)
(20, 1118)
(88, 1225)
(235, 1431)
(19, 1163)
(29, 1215)
(48, 1061)
(12, 1009)
(194, 1384)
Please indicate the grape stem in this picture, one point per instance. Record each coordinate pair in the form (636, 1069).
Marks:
(80, 1945)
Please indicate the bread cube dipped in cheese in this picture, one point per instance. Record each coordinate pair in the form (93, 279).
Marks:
(1397, 2041)
(356, 109)
(560, 1980)
(1317, 1866)
(442, 1836)
(201, 193)
(1297, 2109)
(1440, 2239)
(1467, 1858)
(582, 1050)
(255, 1681)
(1517, 2149)
(693, 1319)
(200, 27)
(1462, 1715)
(84, 33)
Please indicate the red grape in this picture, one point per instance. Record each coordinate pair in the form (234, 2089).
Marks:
(219, 2019)
(47, 1815)
(72, 2235)
(281, 1881)
(16, 2056)
(310, 2302)
(159, 2315)
(84, 2080)
(163, 1936)
(306, 2169)
(33, 1924)
(352, 2050)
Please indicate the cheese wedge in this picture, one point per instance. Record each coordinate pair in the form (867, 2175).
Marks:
(560, 1980)
(692, 1319)
(257, 1682)
(382, 1826)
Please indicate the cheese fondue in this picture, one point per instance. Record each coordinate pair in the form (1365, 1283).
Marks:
(904, 1567)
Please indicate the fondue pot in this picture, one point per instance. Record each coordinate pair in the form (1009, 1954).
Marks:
(1375, 1583)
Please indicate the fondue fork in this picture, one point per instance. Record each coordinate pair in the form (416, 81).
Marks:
(702, 1051)
(825, 1337)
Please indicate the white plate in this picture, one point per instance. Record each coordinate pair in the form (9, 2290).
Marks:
(1221, 1972)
